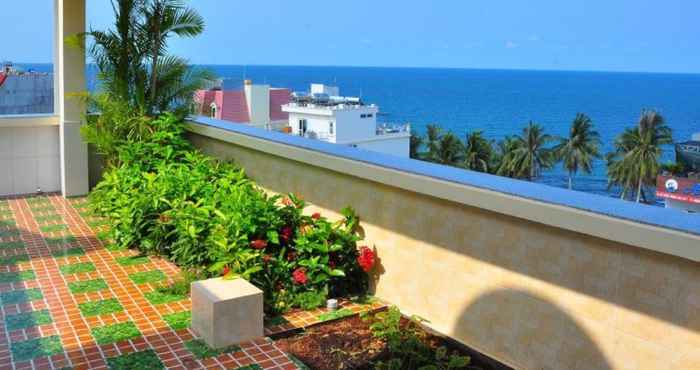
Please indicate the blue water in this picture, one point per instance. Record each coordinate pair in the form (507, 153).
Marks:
(501, 102)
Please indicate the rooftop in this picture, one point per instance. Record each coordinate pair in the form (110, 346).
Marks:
(72, 300)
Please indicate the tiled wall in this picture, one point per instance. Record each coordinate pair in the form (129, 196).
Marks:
(530, 295)
(29, 159)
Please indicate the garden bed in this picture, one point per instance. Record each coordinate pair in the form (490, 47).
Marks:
(350, 343)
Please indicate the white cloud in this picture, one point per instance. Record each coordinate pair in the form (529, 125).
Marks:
(533, 38)
(511, 44)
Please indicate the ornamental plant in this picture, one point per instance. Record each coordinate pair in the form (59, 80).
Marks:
(164, 197)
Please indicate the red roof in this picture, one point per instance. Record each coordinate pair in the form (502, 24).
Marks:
(3, 77)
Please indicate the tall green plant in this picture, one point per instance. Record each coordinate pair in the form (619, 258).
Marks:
(432, 142)
(528, 154)
(580, 148)
(450, 150)
(133, 60)
(503, 156)
(635, 161)
(478, 152)
(415, 147)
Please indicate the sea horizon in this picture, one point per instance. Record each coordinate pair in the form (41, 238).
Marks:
(415, 67)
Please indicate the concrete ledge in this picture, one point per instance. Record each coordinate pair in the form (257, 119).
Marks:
(653, 228)
(28, 120)
(226, 312)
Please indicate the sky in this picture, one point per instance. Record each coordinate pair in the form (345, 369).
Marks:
(605, 35)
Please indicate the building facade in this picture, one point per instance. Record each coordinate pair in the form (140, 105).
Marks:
(324, 115)
(255, 105)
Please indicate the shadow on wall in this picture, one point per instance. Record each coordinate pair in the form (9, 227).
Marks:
(531, 331)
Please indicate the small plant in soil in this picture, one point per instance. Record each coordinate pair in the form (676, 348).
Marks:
(406, 343)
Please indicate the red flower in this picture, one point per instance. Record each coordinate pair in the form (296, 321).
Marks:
(287, 202)
(299, 276)
(286, 233)
(366, 259)
(226, 271)
(267, 258)
(316, 216)
(258, 244)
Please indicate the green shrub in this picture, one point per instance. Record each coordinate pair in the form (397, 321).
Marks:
(407, 344)
(165, 198)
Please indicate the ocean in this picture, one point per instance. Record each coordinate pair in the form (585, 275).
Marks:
(501, 102)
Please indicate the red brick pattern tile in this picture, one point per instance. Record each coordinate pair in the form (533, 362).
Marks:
(80, 350)
(299, 319)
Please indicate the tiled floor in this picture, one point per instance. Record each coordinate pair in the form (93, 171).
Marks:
(299, 319)
(69, 302)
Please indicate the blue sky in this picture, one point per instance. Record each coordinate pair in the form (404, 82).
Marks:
(610, 35)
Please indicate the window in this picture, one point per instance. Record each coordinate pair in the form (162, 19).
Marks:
(369, 115)
(212, 112)
(331, 128)
(302, 127)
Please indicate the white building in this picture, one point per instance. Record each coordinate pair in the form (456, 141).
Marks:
(324, 115)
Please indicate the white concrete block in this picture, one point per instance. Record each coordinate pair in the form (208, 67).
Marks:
(227, 312)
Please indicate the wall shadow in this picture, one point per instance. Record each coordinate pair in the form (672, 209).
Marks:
(528, 331)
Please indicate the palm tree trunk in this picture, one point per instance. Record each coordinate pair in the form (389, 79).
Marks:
(624, 190)
(639, 190)
(155, 51)
(571, 180)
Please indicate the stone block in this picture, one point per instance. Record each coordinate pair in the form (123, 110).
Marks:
(226, 312)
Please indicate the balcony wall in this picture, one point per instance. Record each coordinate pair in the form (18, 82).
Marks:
(29, 154)
(536, 277)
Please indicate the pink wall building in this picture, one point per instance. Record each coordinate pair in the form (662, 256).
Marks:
(257, 105)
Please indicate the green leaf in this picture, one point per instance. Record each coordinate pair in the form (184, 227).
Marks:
(337, 273)
(273, 237)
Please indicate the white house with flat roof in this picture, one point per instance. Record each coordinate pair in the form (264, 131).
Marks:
(323, 114)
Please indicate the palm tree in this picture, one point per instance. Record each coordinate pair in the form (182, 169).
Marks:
(619, 174)
(450, 150)
(477, 152)
(164, 18)
(503, 156)
(529, 154)
(579, 149)
(637, 152)
(433, 136)
(133, 60)
(415, 146)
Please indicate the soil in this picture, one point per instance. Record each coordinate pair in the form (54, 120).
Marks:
(348, 344)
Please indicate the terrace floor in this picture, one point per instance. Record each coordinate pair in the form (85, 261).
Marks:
(68, 300)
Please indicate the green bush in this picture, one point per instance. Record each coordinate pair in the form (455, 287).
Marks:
(407, 344)
(165, 198)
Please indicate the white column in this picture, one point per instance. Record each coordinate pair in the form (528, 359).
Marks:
(69, 72)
